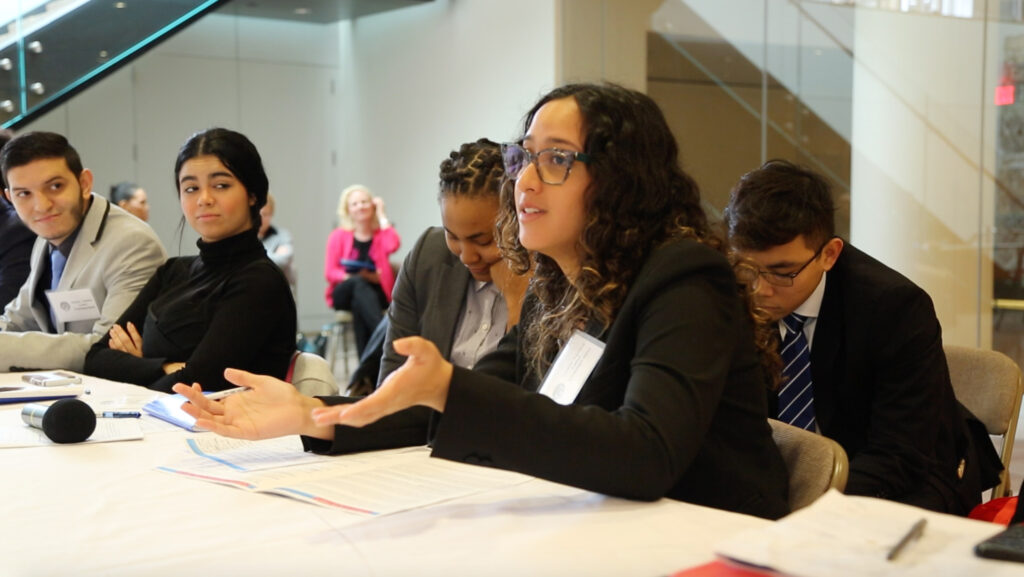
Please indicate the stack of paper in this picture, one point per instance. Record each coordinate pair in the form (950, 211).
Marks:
(169, 409)
(27, 393)
(107, 430)
(840, 535)
(366, 484)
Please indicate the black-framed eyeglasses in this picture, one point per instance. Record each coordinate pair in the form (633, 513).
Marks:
(786, 279)
(553, 164)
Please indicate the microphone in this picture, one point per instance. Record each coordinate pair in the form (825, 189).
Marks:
(66, 421)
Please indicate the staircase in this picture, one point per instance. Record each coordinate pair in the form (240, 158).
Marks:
(53, 49)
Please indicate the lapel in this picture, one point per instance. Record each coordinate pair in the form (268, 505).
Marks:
(40, 260)
(828, 336)
(84, 248)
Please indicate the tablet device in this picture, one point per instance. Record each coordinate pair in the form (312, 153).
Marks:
(1007, 545)
(354, 266)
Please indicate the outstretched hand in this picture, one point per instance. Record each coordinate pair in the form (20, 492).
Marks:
(422, 380)
(271, 408)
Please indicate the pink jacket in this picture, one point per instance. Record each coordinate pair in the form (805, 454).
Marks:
(339, 245)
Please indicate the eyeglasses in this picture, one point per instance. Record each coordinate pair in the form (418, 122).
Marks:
(750, 275)
(553, 164)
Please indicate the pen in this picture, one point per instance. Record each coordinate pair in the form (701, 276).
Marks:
(120, 414)
(914, 533)
(226, 393)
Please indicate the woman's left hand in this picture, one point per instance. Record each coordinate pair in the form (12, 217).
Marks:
(422, 380)
(127, 341)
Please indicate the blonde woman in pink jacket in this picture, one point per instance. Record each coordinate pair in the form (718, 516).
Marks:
(357, 266)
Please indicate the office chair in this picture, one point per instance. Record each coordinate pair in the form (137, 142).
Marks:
(988, 383)
(311, 375)
(815, 463)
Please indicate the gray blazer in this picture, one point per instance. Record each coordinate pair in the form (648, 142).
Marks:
(428, 298)
(113, 256)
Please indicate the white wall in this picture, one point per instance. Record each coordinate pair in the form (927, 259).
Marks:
(418, 82)
(380, 100)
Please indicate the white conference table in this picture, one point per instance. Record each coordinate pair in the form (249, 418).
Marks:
(104, 509)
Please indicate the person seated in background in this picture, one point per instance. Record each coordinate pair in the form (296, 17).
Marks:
(228, 307)
(359, 274)
(277, 242)
(862, 348)
(454, 289)
(16, 242)
(627, 273)
(89, 262)
(132, 198)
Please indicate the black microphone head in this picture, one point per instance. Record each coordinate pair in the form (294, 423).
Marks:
(69, 421)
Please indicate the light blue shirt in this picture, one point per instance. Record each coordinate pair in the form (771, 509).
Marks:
(484, 317)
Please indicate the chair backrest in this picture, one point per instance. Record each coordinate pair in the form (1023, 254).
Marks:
(988, 383)
(815, 463)
(311, 375)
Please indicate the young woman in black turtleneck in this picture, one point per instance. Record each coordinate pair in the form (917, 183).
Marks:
(228, 307)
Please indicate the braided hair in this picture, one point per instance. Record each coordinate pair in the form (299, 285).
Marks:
(474, 170)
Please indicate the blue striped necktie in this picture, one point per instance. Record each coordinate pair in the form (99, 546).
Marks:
(57, 262)
(796, 397)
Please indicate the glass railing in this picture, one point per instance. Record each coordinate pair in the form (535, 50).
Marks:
(781, 73)
(49, 50)
(914, 108)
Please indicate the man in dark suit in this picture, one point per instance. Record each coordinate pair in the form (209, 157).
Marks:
(15, 244)
(877, 382)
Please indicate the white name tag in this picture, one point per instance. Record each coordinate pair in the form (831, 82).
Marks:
(73, 305)
(572, 368)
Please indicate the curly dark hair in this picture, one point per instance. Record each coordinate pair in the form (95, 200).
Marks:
(474, 170)
(639, 198)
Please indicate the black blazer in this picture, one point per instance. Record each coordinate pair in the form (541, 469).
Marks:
(882, 390)
(427, 301)
(16, 242)
(675, 407)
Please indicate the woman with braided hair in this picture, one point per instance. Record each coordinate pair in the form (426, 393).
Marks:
(453, 289)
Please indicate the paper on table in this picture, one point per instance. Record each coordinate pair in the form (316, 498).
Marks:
(169, 409)
(840, 535)
(252, 455)
(107, 430)
(370, 484)
(25, 393)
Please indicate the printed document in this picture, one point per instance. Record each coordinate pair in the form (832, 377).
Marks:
(849, 536)
(366, 484)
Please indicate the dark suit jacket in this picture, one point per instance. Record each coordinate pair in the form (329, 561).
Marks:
(428, 298)
(16, 242)
(882, 390)
(675, 407)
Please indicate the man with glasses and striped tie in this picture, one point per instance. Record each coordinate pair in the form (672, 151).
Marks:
(861, 348)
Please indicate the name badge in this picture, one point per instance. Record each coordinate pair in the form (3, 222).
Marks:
(572, 368)
(73, 305)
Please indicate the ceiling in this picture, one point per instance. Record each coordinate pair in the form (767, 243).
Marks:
(314, 11)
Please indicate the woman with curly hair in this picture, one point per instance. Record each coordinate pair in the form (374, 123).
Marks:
(625, 263)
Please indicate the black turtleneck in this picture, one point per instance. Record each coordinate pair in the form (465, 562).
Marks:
(228, 307)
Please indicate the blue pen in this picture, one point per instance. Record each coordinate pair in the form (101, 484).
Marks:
(120, 414)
